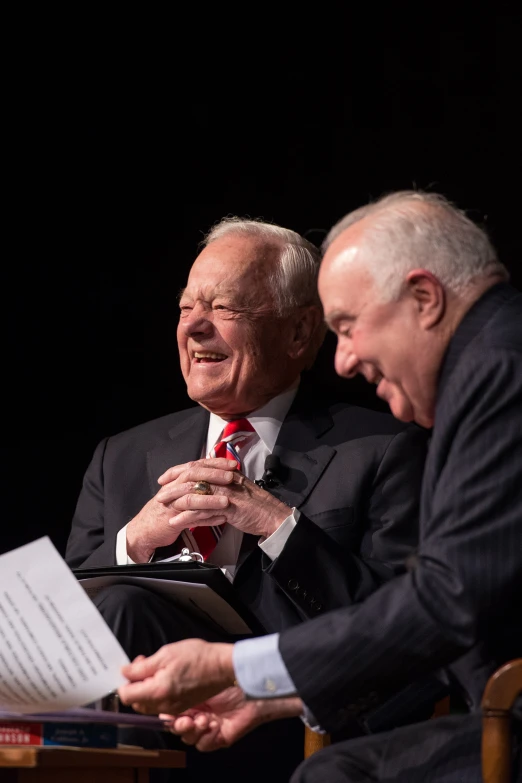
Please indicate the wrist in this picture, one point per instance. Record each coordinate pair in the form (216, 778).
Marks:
(275, 709)
(137, 550)
(224, 672)
(276, 519)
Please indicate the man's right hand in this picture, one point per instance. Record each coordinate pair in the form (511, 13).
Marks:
(150, 528)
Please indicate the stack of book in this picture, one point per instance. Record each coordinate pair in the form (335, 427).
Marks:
(79, 728)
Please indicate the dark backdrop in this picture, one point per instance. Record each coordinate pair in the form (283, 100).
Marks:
(129, 141)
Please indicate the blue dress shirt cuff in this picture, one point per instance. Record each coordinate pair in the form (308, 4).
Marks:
(260, 670)
(261, 673)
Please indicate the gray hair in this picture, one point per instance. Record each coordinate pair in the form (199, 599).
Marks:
(294, 283)
(412, 229)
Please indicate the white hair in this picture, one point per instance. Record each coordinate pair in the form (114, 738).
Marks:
(294, 282)
(412, 229)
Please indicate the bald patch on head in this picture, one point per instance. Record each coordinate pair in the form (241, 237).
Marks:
(346, 249)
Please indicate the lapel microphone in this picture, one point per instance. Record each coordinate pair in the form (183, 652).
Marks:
(269, 478)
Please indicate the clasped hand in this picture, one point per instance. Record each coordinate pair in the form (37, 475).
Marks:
(234, 499)
(150, 528)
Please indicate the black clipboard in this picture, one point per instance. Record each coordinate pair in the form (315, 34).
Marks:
(192, 571)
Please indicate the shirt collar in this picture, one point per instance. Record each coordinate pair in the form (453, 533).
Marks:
(266, 420)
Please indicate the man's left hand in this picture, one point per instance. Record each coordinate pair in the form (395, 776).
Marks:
(250, 508)
(225, 718)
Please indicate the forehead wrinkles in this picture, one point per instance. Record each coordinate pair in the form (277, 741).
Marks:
(248, 285)
(208, 291)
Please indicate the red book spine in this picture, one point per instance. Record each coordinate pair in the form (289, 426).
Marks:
(21, 733)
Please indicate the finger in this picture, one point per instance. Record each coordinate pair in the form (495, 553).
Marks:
(142, 706)
(142, 691)
(193, 736)
(195, 519)
(216, 462)
(194, 731)
(143, 667)
(212, 475)
(172, 473)
(201, 502)
(172, 492)
(167, 717)
(181, 725)
(187, 479)
(194, 516)
(212, 739)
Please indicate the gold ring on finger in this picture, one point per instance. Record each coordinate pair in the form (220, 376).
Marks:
(202, 488)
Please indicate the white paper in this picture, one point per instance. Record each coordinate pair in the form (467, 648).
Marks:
(199, 599)
(56, 651)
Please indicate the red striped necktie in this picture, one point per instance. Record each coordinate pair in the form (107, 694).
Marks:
(233, 437)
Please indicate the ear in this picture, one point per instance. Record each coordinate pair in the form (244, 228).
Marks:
(304, 327)
(428, 296)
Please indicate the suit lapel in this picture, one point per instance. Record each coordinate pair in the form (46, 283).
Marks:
(185, 442)
(303, 460)
(303, 457)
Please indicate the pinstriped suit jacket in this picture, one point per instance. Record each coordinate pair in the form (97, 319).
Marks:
(458, 610)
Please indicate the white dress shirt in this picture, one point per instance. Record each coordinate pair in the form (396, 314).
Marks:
(266, 422)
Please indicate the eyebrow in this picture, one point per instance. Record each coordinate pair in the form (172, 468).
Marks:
(220, 291)
(339, 315)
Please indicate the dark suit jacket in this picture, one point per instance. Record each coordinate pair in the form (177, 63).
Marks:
(354, 473)
(459, 605)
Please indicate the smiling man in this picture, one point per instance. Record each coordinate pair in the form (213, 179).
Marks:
(422, 307)
(341, 517)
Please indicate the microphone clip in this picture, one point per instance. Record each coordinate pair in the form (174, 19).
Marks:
(266, 482)
(269, 478)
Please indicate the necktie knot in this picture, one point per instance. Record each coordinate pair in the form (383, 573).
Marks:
(235, 429)
(232, 437)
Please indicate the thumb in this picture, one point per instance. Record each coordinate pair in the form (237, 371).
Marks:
(141, 667)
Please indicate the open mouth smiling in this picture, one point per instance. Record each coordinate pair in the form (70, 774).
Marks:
(208, 357)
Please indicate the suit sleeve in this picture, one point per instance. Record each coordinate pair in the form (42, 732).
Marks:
(466, 575)
(88, 544)
(317, 574)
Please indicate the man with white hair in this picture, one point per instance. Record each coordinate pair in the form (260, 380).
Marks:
(422, 307)
(342, 515)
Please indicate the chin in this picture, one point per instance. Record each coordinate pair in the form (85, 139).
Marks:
(402, 410)
(423, 420)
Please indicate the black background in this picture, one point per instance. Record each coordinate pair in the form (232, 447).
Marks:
(129, 138)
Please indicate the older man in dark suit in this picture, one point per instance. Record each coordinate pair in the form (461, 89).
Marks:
(421, 306)
(342, 516)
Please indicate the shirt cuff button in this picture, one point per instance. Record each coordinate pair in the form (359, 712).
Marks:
(270, 686)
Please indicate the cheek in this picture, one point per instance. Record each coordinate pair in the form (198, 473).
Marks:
(182, 350)
(181, 336)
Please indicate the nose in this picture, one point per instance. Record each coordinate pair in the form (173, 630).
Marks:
(196, 321)
(346, 361)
